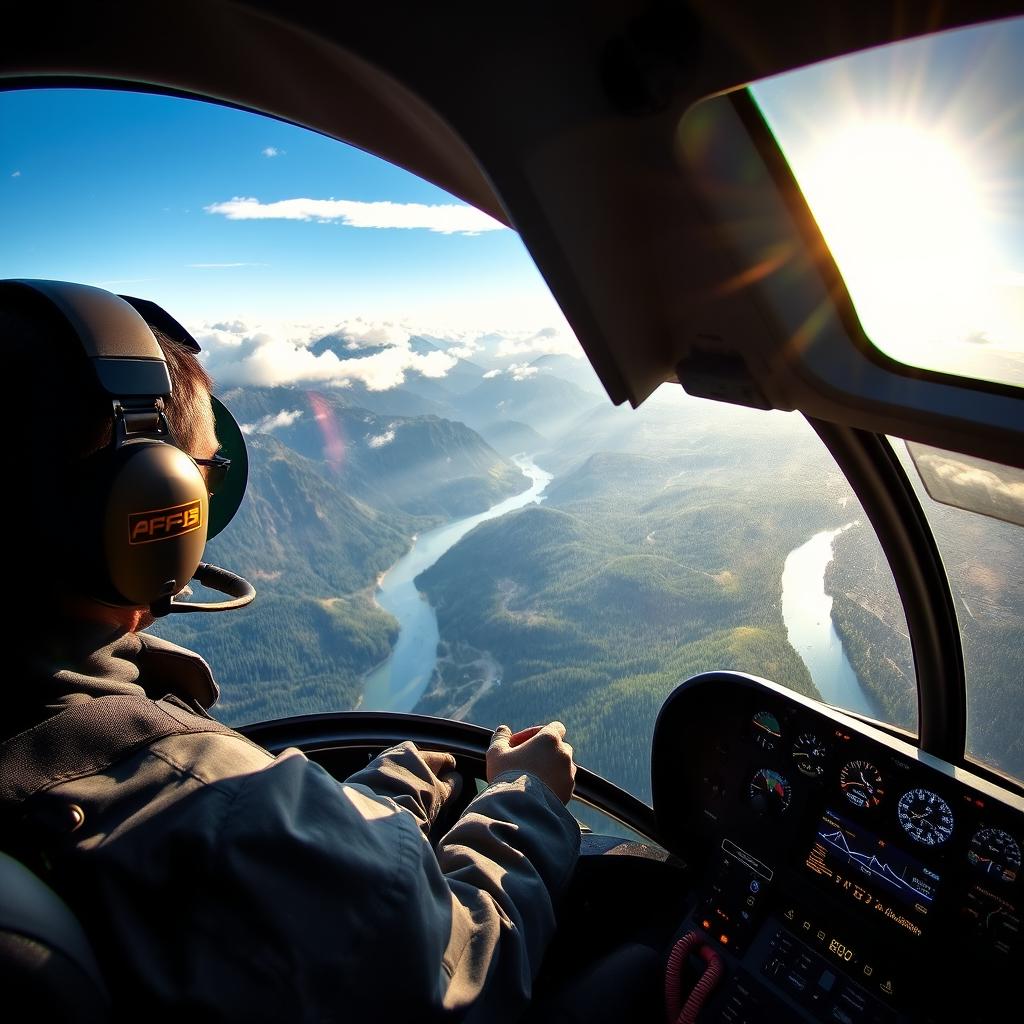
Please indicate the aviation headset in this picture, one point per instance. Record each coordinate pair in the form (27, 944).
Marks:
(152, 510)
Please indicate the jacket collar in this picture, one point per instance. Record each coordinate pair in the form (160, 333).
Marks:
(81, 660)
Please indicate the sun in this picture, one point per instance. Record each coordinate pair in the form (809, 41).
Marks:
(903, 212)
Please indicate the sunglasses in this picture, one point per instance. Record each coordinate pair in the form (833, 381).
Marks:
(216, 470)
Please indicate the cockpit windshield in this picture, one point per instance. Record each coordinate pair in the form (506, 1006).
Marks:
(445, 513)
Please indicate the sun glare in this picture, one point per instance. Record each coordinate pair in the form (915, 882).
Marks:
(904, 214)
(910, 157)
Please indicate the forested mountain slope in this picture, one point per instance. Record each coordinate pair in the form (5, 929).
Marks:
(313, 554)
(638, 571)
(422, 465)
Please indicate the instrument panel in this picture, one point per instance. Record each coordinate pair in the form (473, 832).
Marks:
(890, 877)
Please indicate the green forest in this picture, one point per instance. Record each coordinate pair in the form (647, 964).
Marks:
(637, 571)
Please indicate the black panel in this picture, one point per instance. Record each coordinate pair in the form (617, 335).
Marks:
(844, 873)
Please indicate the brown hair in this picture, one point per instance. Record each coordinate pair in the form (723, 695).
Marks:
(188, 406)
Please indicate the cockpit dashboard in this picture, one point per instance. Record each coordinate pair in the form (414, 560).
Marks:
(844, 874)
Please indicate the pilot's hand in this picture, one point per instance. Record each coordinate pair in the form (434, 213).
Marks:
(540, 750)
(443, 766)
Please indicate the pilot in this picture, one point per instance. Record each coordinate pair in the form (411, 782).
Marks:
(213, 878)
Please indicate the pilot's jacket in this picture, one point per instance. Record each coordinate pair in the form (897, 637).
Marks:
(225, 884)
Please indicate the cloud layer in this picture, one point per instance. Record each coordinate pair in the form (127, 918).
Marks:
(237, 356)
(445, 218)
(374, 354)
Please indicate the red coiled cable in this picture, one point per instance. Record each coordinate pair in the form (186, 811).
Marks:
(678, 1012)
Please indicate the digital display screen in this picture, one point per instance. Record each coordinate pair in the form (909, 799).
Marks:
(865, 868)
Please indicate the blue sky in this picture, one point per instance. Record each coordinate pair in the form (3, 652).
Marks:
(113, 189)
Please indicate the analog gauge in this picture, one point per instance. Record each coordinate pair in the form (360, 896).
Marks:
(925, 816)
(767, 731)
(809, 753)
(769, 791)
(994, 853)
(861, 783)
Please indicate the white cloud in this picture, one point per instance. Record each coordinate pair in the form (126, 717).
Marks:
(268, 424)
(359, 333)
(520, 371)
(16, 174)
(445, 218)
(547, 341)
(271, 151)
(379, 440)
(517, 371)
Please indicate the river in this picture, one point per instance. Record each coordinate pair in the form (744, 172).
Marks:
(807, 613)
(398, 683)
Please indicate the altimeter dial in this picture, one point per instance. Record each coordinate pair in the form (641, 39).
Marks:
(861, 783)
(925, 816)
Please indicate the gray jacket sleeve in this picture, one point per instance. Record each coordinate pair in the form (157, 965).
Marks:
(357, 918)
(403, 776)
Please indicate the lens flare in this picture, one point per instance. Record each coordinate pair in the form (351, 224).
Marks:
(330, 430)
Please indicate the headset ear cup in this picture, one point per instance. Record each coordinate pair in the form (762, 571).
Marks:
(147, 542)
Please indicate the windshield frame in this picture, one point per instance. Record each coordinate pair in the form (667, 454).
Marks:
(884, 490)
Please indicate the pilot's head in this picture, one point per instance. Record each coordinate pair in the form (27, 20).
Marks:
(55, 419)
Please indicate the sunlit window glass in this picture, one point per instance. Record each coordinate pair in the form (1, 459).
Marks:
(910, 157)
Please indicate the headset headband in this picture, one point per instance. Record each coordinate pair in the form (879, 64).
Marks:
(121, 348)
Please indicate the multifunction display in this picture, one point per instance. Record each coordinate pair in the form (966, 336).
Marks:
(876, 874)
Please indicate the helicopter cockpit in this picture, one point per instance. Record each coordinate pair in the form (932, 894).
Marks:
(773, 587)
